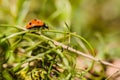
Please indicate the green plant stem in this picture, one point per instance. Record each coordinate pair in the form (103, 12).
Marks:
(32, 47)
(13, 35)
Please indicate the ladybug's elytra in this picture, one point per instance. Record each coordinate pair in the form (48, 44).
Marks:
(36, 24)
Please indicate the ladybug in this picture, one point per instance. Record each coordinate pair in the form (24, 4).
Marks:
(35, 23)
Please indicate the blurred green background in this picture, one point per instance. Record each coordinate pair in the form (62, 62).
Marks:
(96, 20)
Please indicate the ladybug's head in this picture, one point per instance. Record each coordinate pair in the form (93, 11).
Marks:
(45, 26)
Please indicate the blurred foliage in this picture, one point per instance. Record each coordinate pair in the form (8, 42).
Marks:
(98, 21)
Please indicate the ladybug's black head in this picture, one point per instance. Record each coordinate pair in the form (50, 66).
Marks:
(45, 26)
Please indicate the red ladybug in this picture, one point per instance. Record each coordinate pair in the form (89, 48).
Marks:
(36, 24)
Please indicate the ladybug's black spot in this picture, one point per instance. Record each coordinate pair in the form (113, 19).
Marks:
(35, 20)
(30, 23)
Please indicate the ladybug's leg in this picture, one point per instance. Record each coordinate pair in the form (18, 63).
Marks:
(39, 30)
(47, 27)
(43, 27)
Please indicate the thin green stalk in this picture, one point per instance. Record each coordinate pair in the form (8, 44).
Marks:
(32, 47)
(50, 67)
(17, 42)
(13, 26)
(93, 53)
(13, 35)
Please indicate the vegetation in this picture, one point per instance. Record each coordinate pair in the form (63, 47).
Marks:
(81, 34)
